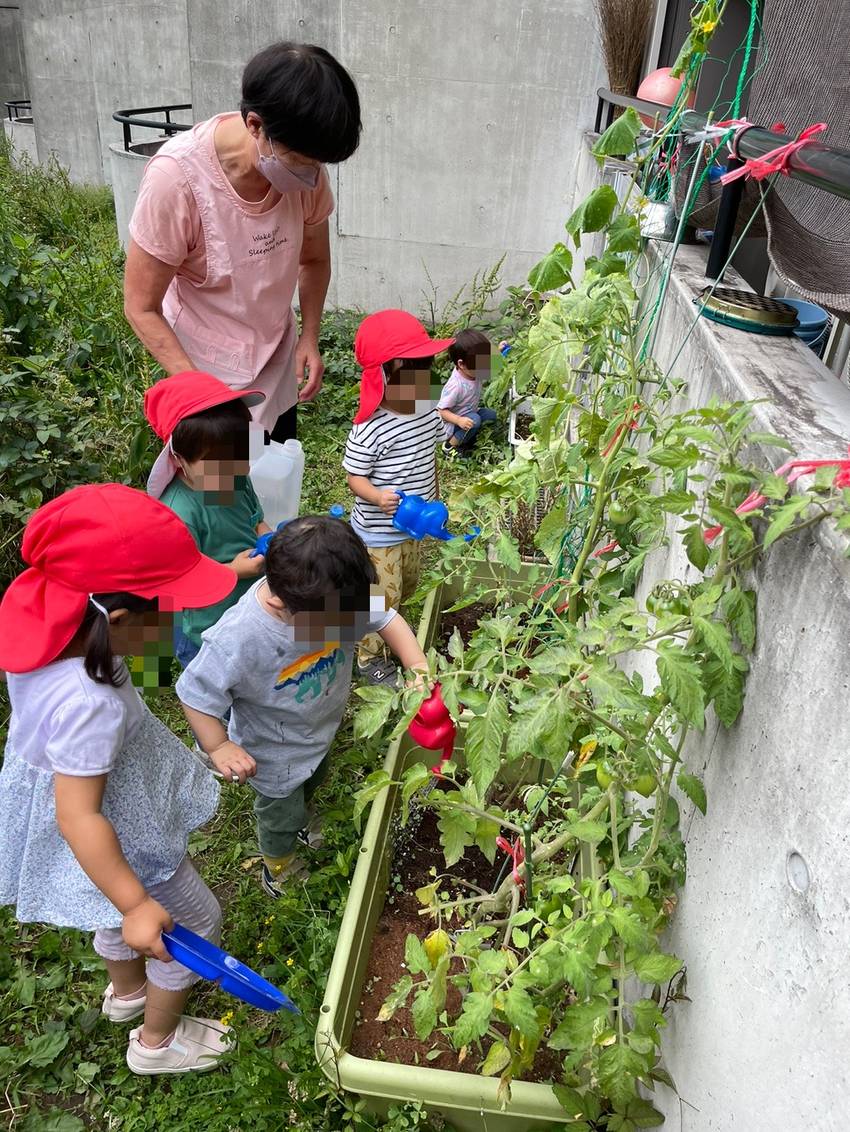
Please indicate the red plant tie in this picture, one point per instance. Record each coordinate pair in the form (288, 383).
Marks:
(776, 160)
(517, 854)
(628, 422)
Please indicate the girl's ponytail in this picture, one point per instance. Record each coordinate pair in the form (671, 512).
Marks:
(98, 658)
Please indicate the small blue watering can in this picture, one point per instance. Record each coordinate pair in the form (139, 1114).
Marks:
(420, 518)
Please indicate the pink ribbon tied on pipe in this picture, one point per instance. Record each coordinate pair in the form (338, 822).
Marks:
(792, 470)
(776, 160)
(517, 853)
(433, 728)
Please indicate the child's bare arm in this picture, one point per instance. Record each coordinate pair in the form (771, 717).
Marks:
(382, 497)
(92, 839)
(262, 527)
(229, 758)
(452, 418)
(398, 635)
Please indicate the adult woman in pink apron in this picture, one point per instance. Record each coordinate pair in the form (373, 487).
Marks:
(231, 217)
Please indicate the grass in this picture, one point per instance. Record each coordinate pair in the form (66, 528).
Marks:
(62, 1063)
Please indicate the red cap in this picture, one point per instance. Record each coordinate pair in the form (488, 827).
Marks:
(380, 338)
(184, 394)
(104, 538)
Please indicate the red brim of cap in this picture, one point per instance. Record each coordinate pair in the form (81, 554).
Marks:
(372, 380)
(205, 583)
(38, 618)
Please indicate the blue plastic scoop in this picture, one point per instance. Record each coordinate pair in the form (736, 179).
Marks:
(210, 962)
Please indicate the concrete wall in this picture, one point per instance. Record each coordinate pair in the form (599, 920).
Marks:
(86, 59)
(761, 1045)
(762, 922)
(21, 137)
(472, 113)
(13, 78)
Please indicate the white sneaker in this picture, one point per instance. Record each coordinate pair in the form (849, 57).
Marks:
(122, 1009)
(197, 1045)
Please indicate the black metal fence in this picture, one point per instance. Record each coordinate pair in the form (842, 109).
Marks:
(130, 118)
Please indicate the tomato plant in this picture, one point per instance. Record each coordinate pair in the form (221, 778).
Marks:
(545, 957)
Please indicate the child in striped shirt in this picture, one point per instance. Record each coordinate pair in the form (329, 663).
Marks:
(391, 448)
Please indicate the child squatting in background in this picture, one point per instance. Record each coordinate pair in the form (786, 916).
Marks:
(392, 448)
(202, 475)
(460, 406)
(97, 796)
(281, 661)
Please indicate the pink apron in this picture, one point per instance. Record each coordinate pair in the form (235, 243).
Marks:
(238, 323)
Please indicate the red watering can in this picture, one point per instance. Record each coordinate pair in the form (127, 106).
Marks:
(433, 728)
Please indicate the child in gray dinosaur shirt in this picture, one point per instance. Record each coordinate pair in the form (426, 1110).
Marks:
(281, 660)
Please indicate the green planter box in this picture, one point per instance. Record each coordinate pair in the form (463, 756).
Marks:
(467, 1101)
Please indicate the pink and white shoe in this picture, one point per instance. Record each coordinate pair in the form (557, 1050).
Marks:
(196, 1046)
(122, 1009)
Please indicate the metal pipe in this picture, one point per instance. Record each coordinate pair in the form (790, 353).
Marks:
(824, 167)
(724, 225)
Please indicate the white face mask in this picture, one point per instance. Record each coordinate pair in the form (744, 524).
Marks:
(281, 177)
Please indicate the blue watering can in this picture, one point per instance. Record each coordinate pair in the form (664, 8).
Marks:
(420, 518)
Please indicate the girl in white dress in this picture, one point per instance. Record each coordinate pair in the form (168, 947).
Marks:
(97, 796)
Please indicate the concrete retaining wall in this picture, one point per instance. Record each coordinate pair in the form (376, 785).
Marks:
(88, 58)
(13, 77)
(472, 127)
(21, 137)
(763, 919)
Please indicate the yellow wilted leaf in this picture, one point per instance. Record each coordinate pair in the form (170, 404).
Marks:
(427, 894)
(436, 944)
(585, 752)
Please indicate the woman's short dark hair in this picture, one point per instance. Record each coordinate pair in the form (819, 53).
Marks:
(100, 662)
(467, 345)
(315, 556)
(219, 433)
(307, 101)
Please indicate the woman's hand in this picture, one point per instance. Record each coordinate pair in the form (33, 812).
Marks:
(309, 368)
(244, 566)
(142, 929)
(233, 762)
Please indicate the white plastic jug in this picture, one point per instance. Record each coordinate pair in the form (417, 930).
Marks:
(277, 477)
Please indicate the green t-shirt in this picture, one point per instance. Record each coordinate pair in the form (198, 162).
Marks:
(221, 532)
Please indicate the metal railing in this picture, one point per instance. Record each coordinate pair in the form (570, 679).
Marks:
(825, 167)
(130, 118)
(18, 108)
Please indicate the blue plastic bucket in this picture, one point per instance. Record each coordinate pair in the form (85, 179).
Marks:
(812, 323)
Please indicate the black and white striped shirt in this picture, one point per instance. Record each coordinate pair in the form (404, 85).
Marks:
(395, 451)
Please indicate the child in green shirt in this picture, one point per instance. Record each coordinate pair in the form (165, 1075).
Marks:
(202, 475)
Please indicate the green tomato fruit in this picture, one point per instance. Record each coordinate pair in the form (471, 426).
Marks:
(620, 514)
(644, 784)
(603, 776)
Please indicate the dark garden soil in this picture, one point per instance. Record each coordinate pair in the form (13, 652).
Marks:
(418, 848)
(523, 426)
(464, 620)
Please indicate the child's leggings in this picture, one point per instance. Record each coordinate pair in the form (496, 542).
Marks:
(191, 904)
